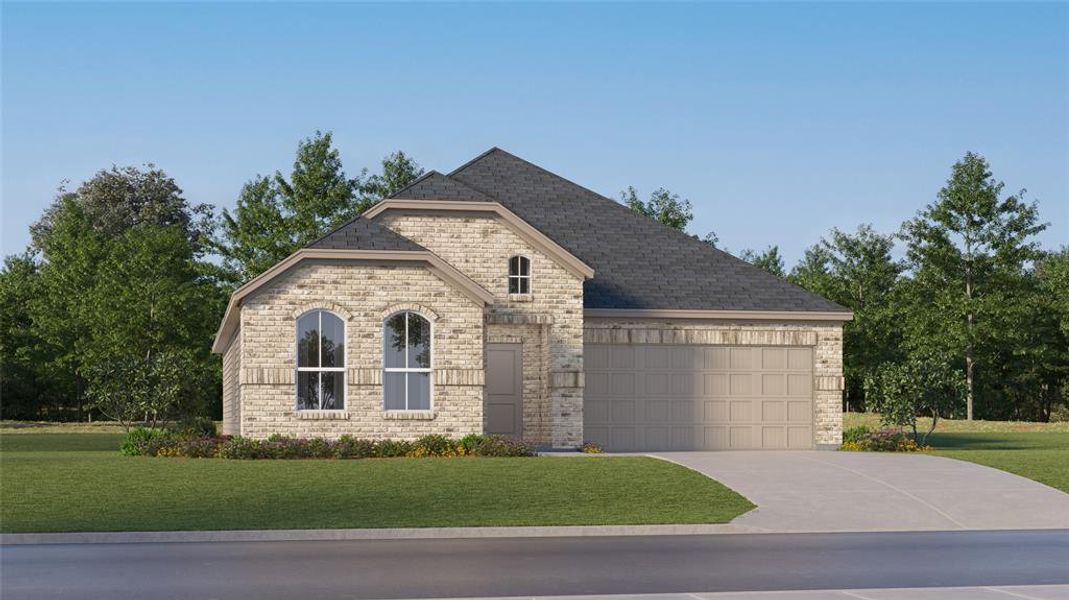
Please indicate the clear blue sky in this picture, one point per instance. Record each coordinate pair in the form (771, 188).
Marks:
(778, 121)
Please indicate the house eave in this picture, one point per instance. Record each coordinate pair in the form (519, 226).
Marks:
(720, 315)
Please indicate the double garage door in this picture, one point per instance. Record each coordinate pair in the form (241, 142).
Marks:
(661, 397)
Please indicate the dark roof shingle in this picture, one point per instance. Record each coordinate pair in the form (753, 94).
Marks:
(363, 234)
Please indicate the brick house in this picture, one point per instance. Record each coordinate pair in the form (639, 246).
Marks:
(502, 298)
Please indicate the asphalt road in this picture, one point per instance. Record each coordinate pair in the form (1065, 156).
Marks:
(533, 566)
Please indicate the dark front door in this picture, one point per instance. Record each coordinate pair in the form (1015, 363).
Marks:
(504, 389)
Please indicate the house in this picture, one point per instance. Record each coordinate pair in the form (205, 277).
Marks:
(502, 298)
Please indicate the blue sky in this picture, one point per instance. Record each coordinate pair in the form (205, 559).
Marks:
(778, 121)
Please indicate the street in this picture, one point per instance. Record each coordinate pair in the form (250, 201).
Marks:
(534, 566)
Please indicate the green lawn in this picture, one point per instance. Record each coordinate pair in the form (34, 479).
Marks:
(1038, 451)
(1043, 457)
(78, 482)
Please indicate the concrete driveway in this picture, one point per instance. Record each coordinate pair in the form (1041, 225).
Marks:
(856, 491)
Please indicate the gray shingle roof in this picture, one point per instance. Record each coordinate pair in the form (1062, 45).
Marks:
(362, 234)
(638, 263)
(435, 186)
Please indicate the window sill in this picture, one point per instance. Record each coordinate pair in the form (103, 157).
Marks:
(520, 297)
(408, 415)
(323, 415)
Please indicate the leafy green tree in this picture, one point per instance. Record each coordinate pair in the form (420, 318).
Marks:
(857, 270)
(398, 171)
(276, 215)
(966, 253)
(769, 260)
(115, 200)
(150, 310)
(663, 206)
(922, 385)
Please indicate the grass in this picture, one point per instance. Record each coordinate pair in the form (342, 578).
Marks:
(1038, 451)
(77, 481)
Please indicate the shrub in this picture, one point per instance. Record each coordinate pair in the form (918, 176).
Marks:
(496, 445)
(590, 448)
(241, 448)
(434, 445)
(854, 434)
(471, 442)
(883, 440)
(349, 447)
(392, 448)
(317, 448)
(142, 441)
(924, 384)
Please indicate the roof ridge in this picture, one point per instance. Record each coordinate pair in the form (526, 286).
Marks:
(419, 179)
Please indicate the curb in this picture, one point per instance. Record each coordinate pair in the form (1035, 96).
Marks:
(415, 533)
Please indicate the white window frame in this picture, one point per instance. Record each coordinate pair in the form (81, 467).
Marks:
(520, 277)
(406, 369)
(320, 369)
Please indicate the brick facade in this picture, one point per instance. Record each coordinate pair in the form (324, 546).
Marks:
(548, 321)
(362, 294)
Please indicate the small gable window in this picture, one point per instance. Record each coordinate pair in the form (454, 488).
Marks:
(320, 361)
(406, 362)
(519, 275)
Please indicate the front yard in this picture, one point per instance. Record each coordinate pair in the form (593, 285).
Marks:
(62, 481)
(1038, 451)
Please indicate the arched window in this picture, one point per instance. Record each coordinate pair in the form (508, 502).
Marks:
(320, 361)
(519, 275)
(406, 360)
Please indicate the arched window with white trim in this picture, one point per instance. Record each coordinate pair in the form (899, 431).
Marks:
(519, 275)
(320, 361)
(406, 359)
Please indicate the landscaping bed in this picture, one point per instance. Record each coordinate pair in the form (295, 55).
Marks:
(52, 482)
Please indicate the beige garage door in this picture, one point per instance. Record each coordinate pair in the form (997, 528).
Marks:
(659, 397)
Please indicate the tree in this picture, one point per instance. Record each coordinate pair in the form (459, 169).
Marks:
(275, 216)
(663, 206)
(99, 252)
(149, 301)
(966, 253)
(398, 171)
(922, 385)
(857, 271)
(769, 260)
(115, 200)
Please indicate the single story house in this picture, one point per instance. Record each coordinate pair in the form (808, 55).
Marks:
(502, 298)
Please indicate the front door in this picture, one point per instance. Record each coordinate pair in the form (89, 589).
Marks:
(504, 385)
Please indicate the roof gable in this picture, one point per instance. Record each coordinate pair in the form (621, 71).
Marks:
(364, 234)
(435, 186)
(638, 263)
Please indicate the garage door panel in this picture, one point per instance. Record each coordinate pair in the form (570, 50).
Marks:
(773, 438)
(622, 384)
(717, 359)
(774, 358)
(799, 437)
(773, 384)
(773, 411)
(799, 385)
(716, 385)
(667, 397)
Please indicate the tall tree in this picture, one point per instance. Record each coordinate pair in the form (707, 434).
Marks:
(277, 215)
(663, 206)
(966, 252)
(769, 260)
(857, 271)
(81, 234)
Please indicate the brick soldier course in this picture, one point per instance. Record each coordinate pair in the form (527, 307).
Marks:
(440, 248)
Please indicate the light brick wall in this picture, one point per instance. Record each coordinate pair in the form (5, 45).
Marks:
(231, 387)
(363, 294)
(480, 245)
(825, 339)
